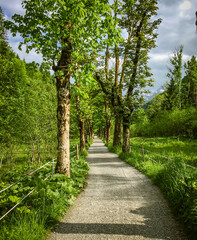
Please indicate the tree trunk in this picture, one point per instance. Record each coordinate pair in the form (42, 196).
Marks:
(33, 153)
(99, 132)
(195, 97)
(180, 107)
(91, 132)
(81, 125)
(126, 134)
(104, 133)
(63, 104)
(117, 132)
(82, 136)
(63, 118)
(86, 135)
(108, 130)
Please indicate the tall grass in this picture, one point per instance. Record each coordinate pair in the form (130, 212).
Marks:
(177, 181)
(41, 210)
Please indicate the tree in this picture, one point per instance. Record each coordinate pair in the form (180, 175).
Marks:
(63, 31)
(4, 48)
(84, 85)
(154, 108)
(136, 17)
(190, 82)
(175, 84)
(108, 79)
(135, 75)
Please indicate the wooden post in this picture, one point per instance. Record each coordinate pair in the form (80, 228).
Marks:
(77, 152)
(143, 153)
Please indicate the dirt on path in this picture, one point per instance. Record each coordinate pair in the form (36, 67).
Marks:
(118, 203)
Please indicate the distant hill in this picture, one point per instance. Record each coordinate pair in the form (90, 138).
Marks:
(150, 96)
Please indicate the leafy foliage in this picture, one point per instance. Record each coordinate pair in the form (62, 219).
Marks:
(167, 123)
(42, 209)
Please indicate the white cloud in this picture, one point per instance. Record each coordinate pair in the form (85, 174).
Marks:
(161, 57)
(186, 5)
(12, 6)
(30, 57)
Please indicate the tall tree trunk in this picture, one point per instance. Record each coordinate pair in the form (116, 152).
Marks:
(82, 136)
(117, 132)
(180, 83)
(63, 118)
(63, 102)
(126, 134)
(86, 135)
(108, 124)
(91, 132)
(81, 124)
(99, 132)
(105, 132)
(108, 130)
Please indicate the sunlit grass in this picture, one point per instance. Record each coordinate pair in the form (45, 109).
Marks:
(180, 147)
(41, 211)
(171, 173)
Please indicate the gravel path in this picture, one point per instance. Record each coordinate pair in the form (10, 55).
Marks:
(118, 203)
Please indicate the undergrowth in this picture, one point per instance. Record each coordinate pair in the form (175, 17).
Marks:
(38, 213)
(175, 179)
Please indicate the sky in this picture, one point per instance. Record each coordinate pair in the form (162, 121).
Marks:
(177, 28)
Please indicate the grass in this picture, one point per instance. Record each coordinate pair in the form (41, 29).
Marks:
(181, 147)
(177, 181)
(38, 213)
(20, 166)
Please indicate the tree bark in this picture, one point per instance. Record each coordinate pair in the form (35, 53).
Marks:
(91, 132)
(90, 126)
(82, 136)
(86, 135)
(117, 132)
(108, 130)
(126, 134)
(81, 125)
(63, 108)
(63, 118)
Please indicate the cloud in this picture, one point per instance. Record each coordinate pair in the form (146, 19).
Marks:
(161, 57)
(12, 6)
(185, 5)
(30, 57)
(177, 28)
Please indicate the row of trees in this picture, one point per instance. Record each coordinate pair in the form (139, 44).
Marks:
(81, 39)
(185, 87)
(27, 104)
(181, 89)
(173, 112)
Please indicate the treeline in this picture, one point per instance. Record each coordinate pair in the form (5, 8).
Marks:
(27, 105)
(109, 68)
(173, 112)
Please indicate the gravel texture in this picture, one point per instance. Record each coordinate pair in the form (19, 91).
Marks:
(118, 203)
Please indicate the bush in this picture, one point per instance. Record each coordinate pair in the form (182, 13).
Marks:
(41, 210)
(168, 124)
